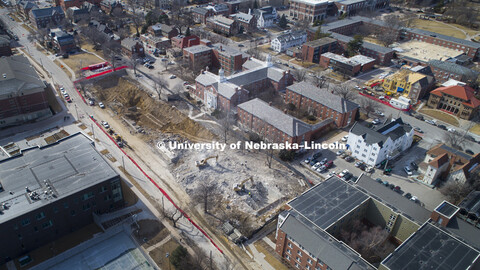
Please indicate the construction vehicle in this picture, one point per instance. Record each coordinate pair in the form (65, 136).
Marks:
(203, 162)
(240, 188)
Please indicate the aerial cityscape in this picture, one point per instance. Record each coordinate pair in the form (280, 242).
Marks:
(240, 134)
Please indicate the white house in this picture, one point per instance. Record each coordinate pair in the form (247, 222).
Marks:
(283, 42)
(373, 145)
(435, 168)
(265, 16)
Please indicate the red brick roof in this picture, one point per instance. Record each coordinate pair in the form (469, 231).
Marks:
(465, 93)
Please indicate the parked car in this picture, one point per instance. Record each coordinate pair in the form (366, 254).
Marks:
(379, 180)
(342, 174)
(470, 152)
(408, 170)
(347, 176)
(431, 122)
(307, 160)
(339, 152)
(362, 166)
(391, 186)
(419, 117)
(452, 130)
(358, 164)
(442, 127)
(369, 169)
(164, 59)
(408, 195)
(385, 183)
(91, 102)
(317, 155)
(68, 99)
(241, 45)
(172, 77)
(100, 104)
(414, 165)
(330, 174)
(376, 121)
(329, 164)
(398, 189)
(345, 138)
(379, 113)
(349, 159)
(323, 161)
(417, 129)
(414, 198)
(105, 124)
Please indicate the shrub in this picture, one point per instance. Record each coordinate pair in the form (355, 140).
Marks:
(286, 155)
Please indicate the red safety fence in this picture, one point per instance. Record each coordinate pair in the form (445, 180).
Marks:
(384, 102)
(104, 72)
(96, 66)
(141, 170)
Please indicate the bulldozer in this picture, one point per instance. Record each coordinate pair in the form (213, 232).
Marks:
(239, 188)
(203, 162)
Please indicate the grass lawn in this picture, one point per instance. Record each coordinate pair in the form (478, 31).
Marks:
(158, 254)
(475, 129)
(443, 116)
(285, 57)
(265, 48)
(317, 68)
(437, 27)
(372, 40)
(80, 60)
(274, 262)
(303, 64)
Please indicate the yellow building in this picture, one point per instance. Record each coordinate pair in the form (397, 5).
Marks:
(412, 85)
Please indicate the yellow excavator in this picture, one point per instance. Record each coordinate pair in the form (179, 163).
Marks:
(241, 187)
(203, 162)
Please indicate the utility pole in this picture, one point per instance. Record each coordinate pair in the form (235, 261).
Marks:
(76, 111)
(93, 134)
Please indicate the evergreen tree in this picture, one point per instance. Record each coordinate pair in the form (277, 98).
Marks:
(354, 45)
(283, 22)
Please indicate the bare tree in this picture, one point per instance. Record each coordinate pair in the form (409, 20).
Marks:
(170, 215)
(159, 84)
(206, 194)
(112, 50)
(343, 90)
(394, 23)
(299, 74)
(454, 139)
(226, 124)
(369, 105)
(302, 25)
(319, 80)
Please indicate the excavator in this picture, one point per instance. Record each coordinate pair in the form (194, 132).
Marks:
(239, 188)
(203, 162)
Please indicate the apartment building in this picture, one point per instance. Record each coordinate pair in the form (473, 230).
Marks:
(385, 142)
(293, 39)
(228, 58)
(350, 7)
(182, 41)
(322, 103)
(61, 41)
(198, 56)
(246, 21)
(347, 66)
(274, 125)
(201, 14)
(309, 232)
(311, 10)
(50, 191)
(412, 85)
(23, 96)
(160, 29)
(444, 70)
(223, 25)
(44, 17)
(456, 99)
(312, 50)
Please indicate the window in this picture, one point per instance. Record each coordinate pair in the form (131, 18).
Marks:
(86, 207)
(55, 209)
(25, 222)
(72, 212)
(47, 224)
(289, 245)
(65, 205)
(298, 259)
(287, 257)
(40, 216)
(309, 261)
(289, 251)
(297, 265)
(299, 253)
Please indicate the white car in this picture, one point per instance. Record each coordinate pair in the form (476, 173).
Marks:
(408, 170)
(345, 138)
(431, 122)
(414, 198)
(342, 174)
(369, 169)
(451, 130)
(376, 121)
(100, 104)
(379, 113)
(330, 174)
(339, 152)
(173, 76)
(105, 124)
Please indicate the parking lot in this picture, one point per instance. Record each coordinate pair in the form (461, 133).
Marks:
(428, 197)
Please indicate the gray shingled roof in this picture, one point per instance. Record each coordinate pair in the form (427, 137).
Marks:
(288, 124)
(323, 96)
(20, 76)
(294, 35)
(243, 17)
(206, 79)
(471, 203)
(128, 42)
(251, 64)
(332, 252)
(226, 50)
(443, 37)
(46, 12)
(200, 10)
(321, 42)
(453, 68)
(197, 49)
(394, 130)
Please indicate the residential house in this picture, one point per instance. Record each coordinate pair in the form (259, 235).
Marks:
(131, 47)
(312, 50)
(110, 6)
(265, 16)
(76, 14)
(5, 47)
(311, 10)
(182, 41)
(385, 142)
(219, 9)
(160, 29)
(156, 42)
(322, 103)
(444, 70)
(23, 95)
(409, 84)
(442, 162)
(347, 66)
(24, 7)
(61, 41)
(45, 17)
(246, 22)
(293, 39)
(223, 25)
(274, 125)
(201, 14)
(458, 100)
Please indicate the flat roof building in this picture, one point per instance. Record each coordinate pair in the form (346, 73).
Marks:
(51, 191)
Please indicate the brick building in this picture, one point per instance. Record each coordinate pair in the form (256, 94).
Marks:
(309, 233)
(312, 50)
(457, 100)
(310, 10)
(159, 30)
(131, 47)
(201, 14)
(322, 103)
(347, 66)
(274, 125)
(223, 25)
(444, 70)
(198, 56)
(24, 7)
(23, 95)
(182, 41)
(43, 17)
(247, 21)
(50, 191)
(61, 41)
(225, 93)
(350, 7)
(215, 56)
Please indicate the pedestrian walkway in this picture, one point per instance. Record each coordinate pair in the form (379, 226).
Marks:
(260, 258)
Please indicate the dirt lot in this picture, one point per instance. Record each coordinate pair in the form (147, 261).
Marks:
(126, 99)
(80, 60)
(443, 28)
(443, 116)
(159, 254)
